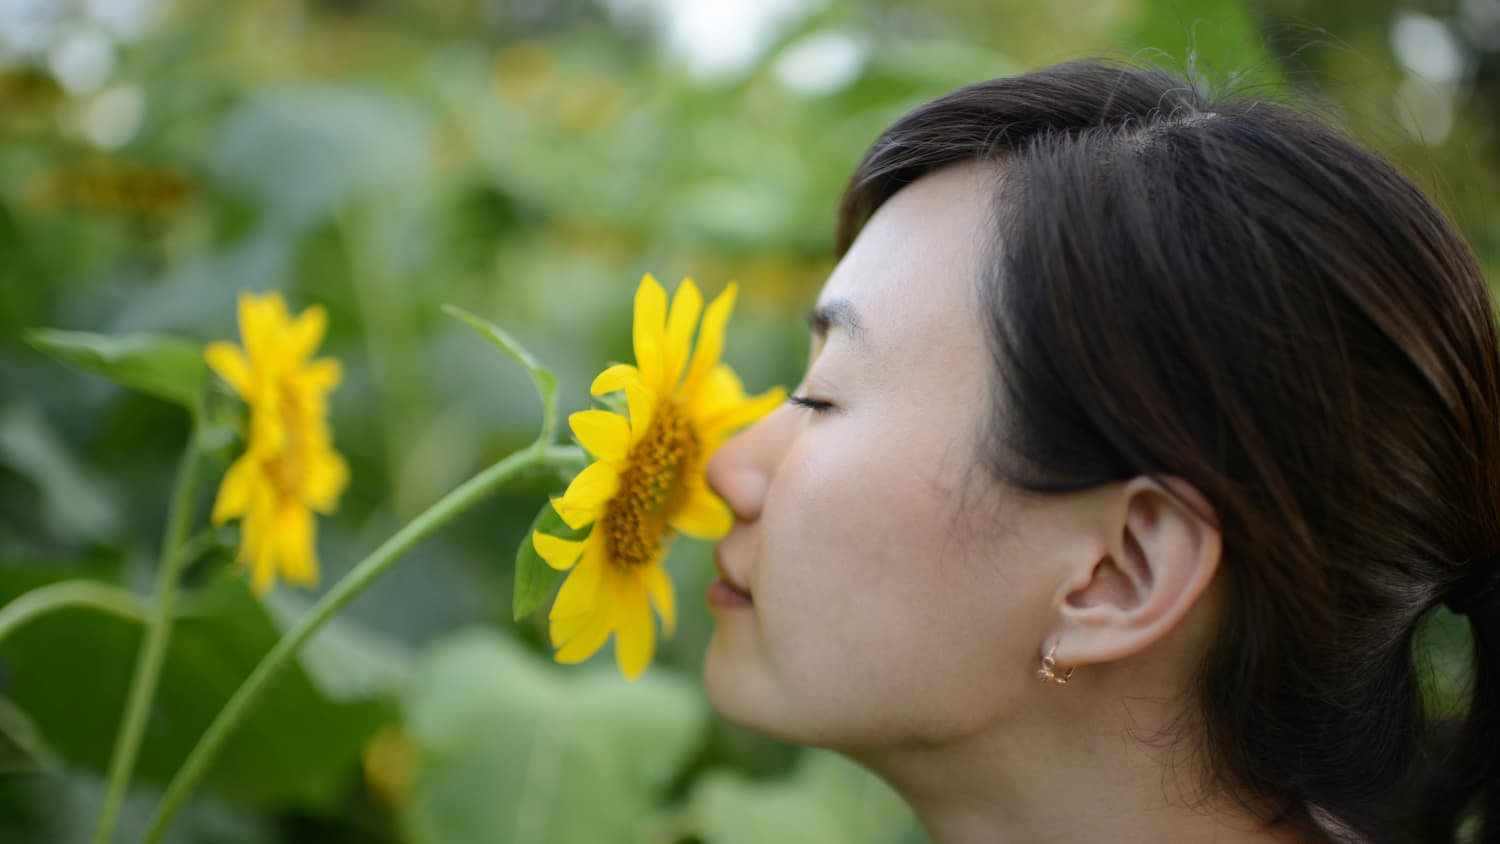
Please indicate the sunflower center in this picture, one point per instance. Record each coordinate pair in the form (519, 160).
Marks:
(636, 521)
(285, 468)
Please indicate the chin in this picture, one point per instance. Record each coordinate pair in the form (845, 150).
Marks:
(745, 695)
(721, 683)
(735, 690)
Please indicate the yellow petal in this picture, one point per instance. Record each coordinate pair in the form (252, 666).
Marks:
(635, 636)
(719, 392)
(296, 539)
(702, 515)
(720, 406)
(579, 594)
(262, 567)
(229, 362)
(605, 435)
(235, 491)
(614, 379)
(563, 630)
(749, 411)
(710, 338)
(576, 518)
(250, 314)
(586, 642)
(687, 304)
(268, 434)
(558, 553)
(327, 476)
(649, 329)
(307, 332)
(642, 409)
(659, 587)
(321, 376)
(262, 324)
(584, 500)
(313, 572)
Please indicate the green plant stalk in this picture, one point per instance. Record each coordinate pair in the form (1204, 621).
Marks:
(65, 594)
(153, 650)
(356, 581)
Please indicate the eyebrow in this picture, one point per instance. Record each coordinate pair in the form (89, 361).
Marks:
(836, 313)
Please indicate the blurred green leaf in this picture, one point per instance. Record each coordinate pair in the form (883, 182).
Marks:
(303, 151)
(75, 504)
(166, 367)
(346, 660)
(827, 800)
(58, 805)
(296, 747)
(1212, 42)
(535, 580)
(514, 748)
(21, 745)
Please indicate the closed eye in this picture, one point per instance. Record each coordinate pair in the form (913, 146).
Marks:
(815, 405)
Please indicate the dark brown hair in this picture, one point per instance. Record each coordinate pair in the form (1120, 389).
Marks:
(1230, 291)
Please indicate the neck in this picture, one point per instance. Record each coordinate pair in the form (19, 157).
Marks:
(1040, 777)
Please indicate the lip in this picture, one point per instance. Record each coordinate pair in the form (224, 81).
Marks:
(724, 575)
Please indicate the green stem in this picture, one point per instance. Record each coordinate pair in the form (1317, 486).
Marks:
(68, 593)
(549, 423)
(154, 645)
(361, 576)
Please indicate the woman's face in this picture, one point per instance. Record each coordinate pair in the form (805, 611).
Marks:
(899, 592)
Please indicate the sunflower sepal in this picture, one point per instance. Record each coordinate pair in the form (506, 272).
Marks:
(535, 579)
(614, 403)
(223, 424)
(160, 365)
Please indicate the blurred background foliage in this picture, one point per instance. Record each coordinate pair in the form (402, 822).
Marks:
(527, 160)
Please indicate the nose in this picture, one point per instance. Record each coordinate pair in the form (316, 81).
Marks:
(741, 470)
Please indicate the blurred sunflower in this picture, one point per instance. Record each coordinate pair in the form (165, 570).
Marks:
(647, 482)
(289, 469)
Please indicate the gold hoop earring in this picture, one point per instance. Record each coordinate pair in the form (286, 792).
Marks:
(1049, 670)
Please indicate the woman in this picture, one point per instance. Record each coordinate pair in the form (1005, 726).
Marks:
(1189, 408)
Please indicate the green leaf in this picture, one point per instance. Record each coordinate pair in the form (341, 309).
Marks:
(827, 800)
(545, 381)
(514, 748)
(535, 580)
(69, 672)
(169, 368)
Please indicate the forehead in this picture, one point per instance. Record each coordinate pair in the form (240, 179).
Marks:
(910, 274)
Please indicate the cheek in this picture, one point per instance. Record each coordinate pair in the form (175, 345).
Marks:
(843, 525)
(874, 611)
(864, 508)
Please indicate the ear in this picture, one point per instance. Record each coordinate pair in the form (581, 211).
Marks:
(1162, 552)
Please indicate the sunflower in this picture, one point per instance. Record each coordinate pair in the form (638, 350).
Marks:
(647, 482)
(289, 469)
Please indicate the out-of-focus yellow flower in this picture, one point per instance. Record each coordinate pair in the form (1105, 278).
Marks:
(289, 469)
(647, 481)
(390, 762)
